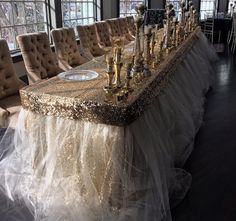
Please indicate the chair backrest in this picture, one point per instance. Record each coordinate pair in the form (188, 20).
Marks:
(9, 84)
(38, 57)
(102, 33)
(123, 25)
(89, 40)
(124, 28)
(66, 47)
(130, 23)
(114, 27)
(83, 37)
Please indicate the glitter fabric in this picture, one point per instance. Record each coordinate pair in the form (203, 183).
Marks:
(85, 100)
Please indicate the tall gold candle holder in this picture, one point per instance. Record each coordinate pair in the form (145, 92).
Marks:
(191, 8)
(174, 32)
(138, 59)
(140, 9)
(168, 27)
(110, 72)
(153, 40)
(159, 55)
(182, 6)
(147, 50)
(194, 19)
(160, 51)
(128, 77)
(117, 66)
(177, 40)
(109, 89)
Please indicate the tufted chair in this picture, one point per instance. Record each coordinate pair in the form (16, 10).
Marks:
(39, 60)
(9, 88)
(130, 24)
(89, 40)
(124, 29)
(114, 28)
(66, 47)
(103, 34)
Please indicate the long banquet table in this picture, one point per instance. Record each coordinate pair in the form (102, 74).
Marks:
(75, 156)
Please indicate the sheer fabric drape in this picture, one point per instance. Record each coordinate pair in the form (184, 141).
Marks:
(64, 169)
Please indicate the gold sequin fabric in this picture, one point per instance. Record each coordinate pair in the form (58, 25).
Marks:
(85, 100)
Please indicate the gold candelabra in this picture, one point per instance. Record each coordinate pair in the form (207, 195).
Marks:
(138, 58)
(147, 50)
(128, 67)
(110, 72)
(117, 67)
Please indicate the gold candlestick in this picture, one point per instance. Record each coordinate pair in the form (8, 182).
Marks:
(138, 59)
(110, 71)
(138, 43)
(191, 8)
(169, 11)
(194, 19)
(117, 67)
(174, 33)
(182, 19)
(128, 67)
(153, 43)
(140, 9)
(160, 52)
(147, 55)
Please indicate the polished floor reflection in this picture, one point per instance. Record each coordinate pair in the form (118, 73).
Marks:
(212, 164)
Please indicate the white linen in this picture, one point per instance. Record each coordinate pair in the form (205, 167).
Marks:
(72, 170)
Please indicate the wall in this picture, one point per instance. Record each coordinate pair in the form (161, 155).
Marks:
(156, 4)
(20, 68)
(222, 5)
(109, 9)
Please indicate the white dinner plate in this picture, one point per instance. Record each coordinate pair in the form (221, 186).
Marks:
(78, 75)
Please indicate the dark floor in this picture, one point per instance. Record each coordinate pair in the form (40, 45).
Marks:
(212, 164)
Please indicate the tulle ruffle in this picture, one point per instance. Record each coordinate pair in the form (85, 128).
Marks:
(62, 169)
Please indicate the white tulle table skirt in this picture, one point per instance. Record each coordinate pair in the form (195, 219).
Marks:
(72, 170)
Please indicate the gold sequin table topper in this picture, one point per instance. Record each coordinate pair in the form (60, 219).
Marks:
(85, 100)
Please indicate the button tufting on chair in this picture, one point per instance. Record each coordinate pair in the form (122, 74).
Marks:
(89, 39)
(37, 61)
(66, 47)
(9, 88)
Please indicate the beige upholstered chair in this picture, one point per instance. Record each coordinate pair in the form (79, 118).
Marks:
(89, 40)
(9, 88)
(103, 34)
(130, 24)
(66, 47)
(114, 29)
(39, 60)
(124, 29)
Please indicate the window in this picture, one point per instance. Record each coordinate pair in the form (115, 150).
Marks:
(208, 8)
(19, 17)
(80, 12)
(127, 7)
(177, 7)
(231, 2)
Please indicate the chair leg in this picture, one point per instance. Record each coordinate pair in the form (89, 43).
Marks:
(219, 36)
(229, 37)
(233, 45)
